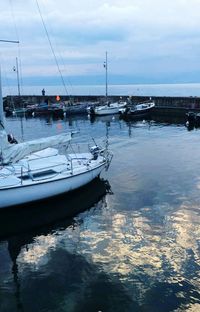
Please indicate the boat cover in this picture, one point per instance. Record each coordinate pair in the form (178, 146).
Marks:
(11, 153)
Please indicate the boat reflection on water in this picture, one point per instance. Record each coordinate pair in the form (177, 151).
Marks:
(104, 119)
(169, 119)
(46, 212)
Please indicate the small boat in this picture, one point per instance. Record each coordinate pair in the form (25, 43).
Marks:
(19, 111)
(46, 109)
(139, 110)
(75, 109)
(108, 108)
(193, 119)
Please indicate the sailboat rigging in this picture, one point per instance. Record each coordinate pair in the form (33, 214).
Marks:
(52, 49)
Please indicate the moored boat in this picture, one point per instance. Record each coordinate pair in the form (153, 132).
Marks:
(47, 173)
(46, 109)
(139, 110)
(19, 111)
(108, 107)
(193, 119)
(35, 170)
(75, 109)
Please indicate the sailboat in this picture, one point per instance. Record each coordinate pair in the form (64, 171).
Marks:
(36, 170)
(108, 108)
(138, 110)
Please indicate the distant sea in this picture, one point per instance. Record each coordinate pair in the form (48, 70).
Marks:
(189, 89)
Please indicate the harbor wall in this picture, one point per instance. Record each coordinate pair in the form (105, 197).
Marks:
(165, 105)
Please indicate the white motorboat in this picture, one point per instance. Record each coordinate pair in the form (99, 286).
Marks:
(36, 170)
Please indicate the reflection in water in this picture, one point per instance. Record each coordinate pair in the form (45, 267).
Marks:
(169, 120)
(119, 263)
(30, 253)
(137, 249)
(50, 210)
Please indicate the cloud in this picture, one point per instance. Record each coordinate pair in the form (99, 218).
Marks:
(146, 40)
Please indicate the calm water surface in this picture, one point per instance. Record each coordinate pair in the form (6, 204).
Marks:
(135, 245)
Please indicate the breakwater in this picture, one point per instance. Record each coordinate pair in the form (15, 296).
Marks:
(163, 104)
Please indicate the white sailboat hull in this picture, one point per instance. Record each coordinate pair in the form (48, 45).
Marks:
(23, 194)
(107, 111)
(113, 108)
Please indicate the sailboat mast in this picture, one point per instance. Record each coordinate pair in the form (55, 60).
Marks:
(17, 71)
(106, 67)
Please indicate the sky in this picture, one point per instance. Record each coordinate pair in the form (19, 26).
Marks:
(147, 41)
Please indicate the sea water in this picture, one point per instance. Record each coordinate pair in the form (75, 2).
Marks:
(134, 245)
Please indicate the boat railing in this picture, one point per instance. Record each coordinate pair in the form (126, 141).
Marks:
(39, 174)
(43, 173)
(27, 170)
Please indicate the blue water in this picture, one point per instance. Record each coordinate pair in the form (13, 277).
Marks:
(135, 245)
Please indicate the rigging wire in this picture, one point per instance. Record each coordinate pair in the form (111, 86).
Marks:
(51, 30)
(51, 46)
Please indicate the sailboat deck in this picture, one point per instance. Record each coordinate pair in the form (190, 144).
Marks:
(40, 170)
